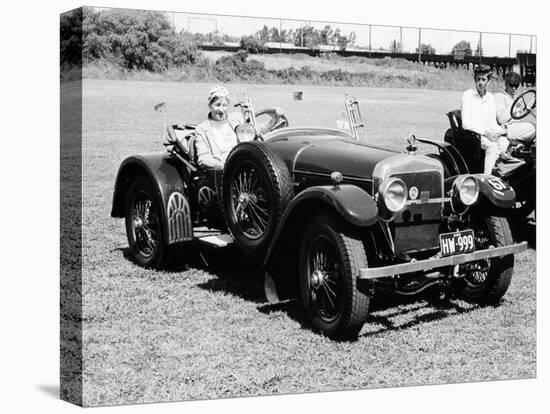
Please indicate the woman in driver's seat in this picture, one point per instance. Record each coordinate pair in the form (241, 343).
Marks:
(217, 131)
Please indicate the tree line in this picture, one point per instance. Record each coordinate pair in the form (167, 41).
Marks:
(306, 36)
(131, 39)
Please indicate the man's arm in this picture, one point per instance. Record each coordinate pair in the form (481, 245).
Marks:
(502, 109)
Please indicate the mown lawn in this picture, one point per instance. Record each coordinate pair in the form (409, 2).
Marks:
(203, 329)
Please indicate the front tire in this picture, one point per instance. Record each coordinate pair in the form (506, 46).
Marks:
(488, 280)
(143, 225)
(331, 255)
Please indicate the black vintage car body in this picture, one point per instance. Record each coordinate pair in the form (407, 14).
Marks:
(335, 217)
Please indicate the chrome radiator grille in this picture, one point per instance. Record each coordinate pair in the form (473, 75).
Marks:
(417, 226)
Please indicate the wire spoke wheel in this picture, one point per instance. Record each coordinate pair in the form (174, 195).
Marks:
(479, 271)
(256, 190)
(144, 226)
(331, 256)
(250, 201)
(486, 281)
(325, 281)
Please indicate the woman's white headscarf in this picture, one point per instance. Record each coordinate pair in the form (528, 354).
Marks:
(217, 92)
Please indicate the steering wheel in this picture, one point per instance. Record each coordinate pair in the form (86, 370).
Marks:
(524, 104)
(275, 120)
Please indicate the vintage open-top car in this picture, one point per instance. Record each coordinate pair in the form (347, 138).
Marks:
(520, 173)
(320, 210)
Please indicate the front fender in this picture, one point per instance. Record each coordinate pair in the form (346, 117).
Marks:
(449, 156)
(164, 174)
(352, 203)
(496, 191)
(492, 191)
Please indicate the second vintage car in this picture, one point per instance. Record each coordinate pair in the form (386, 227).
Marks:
(519, 173)
(321, 210)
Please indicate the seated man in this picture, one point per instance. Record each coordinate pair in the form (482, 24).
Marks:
(519, 132)
(479, 115)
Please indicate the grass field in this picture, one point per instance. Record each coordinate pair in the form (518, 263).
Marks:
(398, 73)
(204, 331)
(296, 69)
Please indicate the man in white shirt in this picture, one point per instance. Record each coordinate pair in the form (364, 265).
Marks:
(518, 131)
(479, 115)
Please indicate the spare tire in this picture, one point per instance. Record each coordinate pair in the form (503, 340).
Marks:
(256, 189)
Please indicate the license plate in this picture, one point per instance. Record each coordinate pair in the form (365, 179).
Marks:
(457, 242)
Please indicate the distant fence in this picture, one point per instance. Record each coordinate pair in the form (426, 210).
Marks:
(435, 47)
(499, 64)
(366, 37)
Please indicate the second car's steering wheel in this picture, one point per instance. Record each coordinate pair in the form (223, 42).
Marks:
(524, 104)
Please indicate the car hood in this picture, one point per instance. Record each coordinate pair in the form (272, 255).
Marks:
(351, 158)
(323, 151)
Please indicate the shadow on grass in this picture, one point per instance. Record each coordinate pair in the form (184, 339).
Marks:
(392, 310)
(240, 275)
(292, 307)
(384, 310)
(235, 272)
(436, 313)
(524, 229)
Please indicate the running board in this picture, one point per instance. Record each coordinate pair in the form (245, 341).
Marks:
(218, 240)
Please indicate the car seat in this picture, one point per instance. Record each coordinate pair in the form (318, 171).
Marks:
(185, 139)
(468, 143)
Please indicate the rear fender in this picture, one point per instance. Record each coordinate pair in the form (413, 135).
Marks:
(352, 203)
(169, 187)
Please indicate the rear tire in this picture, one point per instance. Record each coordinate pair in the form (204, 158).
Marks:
(488, 280)
(143, 225)
(331, 255)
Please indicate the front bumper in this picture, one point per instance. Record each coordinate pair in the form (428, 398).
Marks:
(430, 264)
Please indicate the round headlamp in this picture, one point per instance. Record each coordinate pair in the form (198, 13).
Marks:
(245, 132)
(465, 193)
(393, 193)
